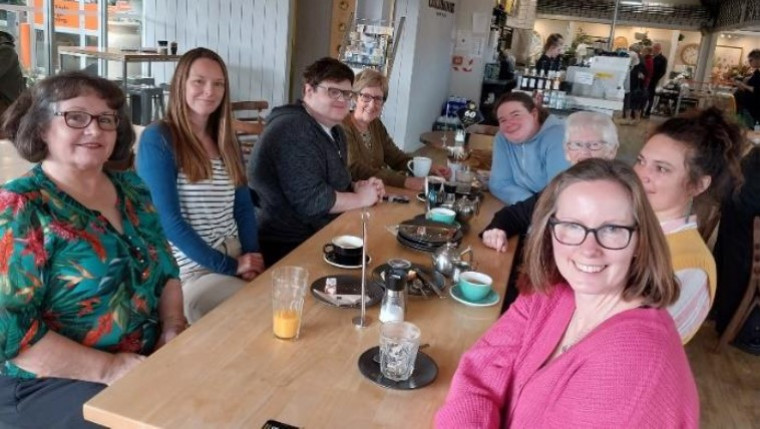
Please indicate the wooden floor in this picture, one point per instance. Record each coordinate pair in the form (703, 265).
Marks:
(729, 383)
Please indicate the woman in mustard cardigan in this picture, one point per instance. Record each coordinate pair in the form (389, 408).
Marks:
(371, 151)
(688, 160)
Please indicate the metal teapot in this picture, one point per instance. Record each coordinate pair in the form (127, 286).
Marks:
(466, 208)
(446, 257)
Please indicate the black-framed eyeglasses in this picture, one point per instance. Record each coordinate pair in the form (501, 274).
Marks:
(369, 98)
(336, 93)
(611, 237)
(78, 120)
(591, 146)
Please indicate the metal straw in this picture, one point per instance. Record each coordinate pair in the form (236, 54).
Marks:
(362, 321)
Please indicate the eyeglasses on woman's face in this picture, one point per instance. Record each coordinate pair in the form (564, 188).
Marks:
(590, 146)
(611, 237)
(337, 93)
(367, 98)
(79, 120)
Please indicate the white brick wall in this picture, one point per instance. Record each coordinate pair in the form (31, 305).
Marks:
(252, 36)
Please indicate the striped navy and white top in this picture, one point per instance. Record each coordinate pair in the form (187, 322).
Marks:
(208, 207)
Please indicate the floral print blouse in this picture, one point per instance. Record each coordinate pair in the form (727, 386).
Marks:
(64, 268)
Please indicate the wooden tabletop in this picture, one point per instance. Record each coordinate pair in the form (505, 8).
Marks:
(480, 147)
(116, 54)
(438, 139)
(228, 370)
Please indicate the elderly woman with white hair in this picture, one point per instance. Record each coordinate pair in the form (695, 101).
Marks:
(587, 135)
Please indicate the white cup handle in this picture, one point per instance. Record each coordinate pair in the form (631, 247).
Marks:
(409, 166)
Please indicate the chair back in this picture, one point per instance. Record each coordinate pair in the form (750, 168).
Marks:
(250, 106)
(708, 219)
(751, 295)
(248, 128)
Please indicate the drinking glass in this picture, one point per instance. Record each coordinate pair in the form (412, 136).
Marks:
(399, 343)
(288, 290)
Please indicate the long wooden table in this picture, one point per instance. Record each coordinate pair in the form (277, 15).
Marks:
(228, 370)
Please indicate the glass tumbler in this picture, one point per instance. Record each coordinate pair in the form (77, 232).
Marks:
(399, 343)
(288, 290)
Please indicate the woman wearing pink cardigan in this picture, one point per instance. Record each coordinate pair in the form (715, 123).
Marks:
(591, 344)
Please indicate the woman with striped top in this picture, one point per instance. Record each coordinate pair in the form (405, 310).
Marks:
(192, 164)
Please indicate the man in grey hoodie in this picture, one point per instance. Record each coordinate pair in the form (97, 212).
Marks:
(11, 78)
(298, 172)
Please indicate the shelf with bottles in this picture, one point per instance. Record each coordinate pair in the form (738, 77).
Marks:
(547, 88)
(371, 44)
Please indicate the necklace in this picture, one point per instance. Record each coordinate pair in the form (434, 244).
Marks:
(367, 139)
(580, 335)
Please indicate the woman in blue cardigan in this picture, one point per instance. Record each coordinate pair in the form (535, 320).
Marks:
(192, 164)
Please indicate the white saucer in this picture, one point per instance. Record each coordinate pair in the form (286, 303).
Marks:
(345, 267)
(491, 299)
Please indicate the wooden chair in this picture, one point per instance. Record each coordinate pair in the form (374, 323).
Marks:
(708, 219)
(751, 297)
(249, 106)
(248, 128)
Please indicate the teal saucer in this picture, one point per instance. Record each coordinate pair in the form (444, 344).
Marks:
(491, 299)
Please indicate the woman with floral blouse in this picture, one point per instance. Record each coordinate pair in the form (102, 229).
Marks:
(88, 284)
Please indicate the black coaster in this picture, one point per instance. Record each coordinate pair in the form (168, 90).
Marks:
(347, 285)
(425, 371)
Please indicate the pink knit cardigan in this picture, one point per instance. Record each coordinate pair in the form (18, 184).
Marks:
(631, 371)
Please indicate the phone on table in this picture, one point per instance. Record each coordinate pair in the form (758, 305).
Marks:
(274, 424)
(402, 199)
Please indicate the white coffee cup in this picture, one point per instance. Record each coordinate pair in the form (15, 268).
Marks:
(420, 166)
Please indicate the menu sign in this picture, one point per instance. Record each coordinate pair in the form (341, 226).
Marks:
(443, 5)
(70, 20)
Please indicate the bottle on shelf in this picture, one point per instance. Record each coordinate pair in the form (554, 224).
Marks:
(549, 99)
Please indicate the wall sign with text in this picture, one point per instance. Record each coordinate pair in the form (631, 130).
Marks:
(443, 6)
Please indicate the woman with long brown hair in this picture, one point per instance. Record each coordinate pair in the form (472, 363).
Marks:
(192, 164)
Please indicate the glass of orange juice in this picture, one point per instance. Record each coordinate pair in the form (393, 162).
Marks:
(288, 290)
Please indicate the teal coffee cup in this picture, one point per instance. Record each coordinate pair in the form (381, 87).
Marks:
(441, 214)
(474, 285)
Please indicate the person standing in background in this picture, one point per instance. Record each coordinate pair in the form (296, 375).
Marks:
(660, 66)
(551, 60)
(11, 78)
(748, 92)
(648, 61)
